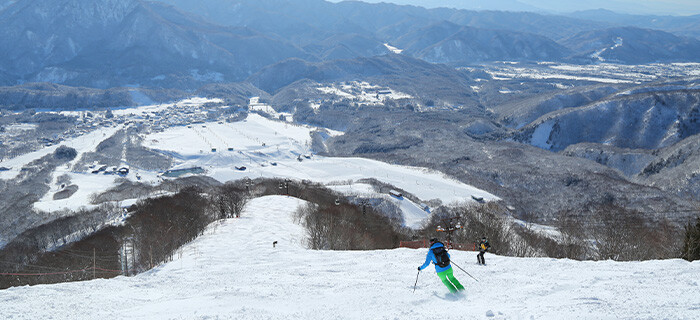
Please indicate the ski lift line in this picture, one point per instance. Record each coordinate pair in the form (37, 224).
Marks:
(673, 211)
(70, 271)
(65, 272)
(90, 253)
(42, 274)
(86, 256)
(30, 266)
(80, 253)
(216, 135)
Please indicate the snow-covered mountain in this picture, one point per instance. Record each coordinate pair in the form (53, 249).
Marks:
(632, 46)
(233, 271)
(502, 5)
(409, 74)
(106, 43)
(520, 112)
(470, 45)
(629, 161)
(6, 3)
(680, 25)
(178, 44)
(675, 168)
(647, 120)
(347, 46)
(450, 43)
(59, 97)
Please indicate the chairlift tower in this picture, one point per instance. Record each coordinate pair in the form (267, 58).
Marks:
(452, 225)
(285, 185)
(364, 203)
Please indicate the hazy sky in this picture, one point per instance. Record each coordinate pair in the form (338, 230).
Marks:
(677, 7)
(657, 7)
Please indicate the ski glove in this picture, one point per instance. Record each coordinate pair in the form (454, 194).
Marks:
(418, 268)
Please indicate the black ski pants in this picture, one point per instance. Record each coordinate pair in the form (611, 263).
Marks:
(480, 257)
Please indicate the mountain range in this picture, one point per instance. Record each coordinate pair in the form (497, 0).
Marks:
(446, 42)
(633, 46)
(484, 96)
(107, 43)
(646, 120)
(182, 44)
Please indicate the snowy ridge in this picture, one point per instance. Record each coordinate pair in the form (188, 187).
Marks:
(668, 88)
(215, 278)
(646, 121)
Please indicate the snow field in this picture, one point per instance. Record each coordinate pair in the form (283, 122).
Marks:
(247, 135)
(363, 92)
(233, 272)
(393, 49)
(414, 215)
(256, 143)
(153, 109)
(283, 145)
(424, 184)
(84, 143)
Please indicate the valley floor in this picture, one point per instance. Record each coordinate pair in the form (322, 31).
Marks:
(233, 272)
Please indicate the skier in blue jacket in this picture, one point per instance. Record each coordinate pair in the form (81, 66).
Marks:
(442, 267)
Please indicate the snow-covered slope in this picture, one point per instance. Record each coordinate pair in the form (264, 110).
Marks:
(233, 272)
(83, 143)
(647, 120)
(286, 144)
(266, 148)
(631, 45)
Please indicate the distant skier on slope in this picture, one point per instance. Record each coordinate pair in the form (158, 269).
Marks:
(482, 246)
(439, 256)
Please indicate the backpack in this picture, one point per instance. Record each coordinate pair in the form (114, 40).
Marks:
(441, 257)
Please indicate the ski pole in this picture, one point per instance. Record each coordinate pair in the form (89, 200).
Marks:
(414, 286)
(460, 268)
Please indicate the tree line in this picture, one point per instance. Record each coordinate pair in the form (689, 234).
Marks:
(610, 232)
(90, 244)
(153, 230)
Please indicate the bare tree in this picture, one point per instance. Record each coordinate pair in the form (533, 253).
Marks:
(571, 241)
(485, 220)
(229, 200)
(691, 243)
(622, 234)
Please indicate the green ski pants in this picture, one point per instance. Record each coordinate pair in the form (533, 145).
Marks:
(450, 281)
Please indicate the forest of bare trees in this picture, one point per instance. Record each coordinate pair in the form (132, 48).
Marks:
(153, 230)
(691, 242)
(611, 232)
(109, 241)
(89, 244)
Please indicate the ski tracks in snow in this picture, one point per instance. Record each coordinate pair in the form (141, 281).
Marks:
(233, 272)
